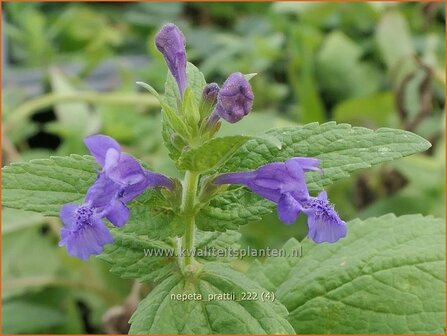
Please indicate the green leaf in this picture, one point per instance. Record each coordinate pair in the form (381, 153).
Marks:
(168, 134)
(196, 81)
(339, 57)
(172, 94)
(232, 209)
(45, 185)
(190, 109)
(276, 270)
(302, 46)
(15, 220)
(394, 38)
(169, 111)
(26, 317)
(250, 75)
(137, 257)
(160, 313)
(150, 89)
(174, 121)
(152, 216)
(375, 110)
(217, 240)
(387, 276)
(341, 148)
(211, 153)
(30, 260)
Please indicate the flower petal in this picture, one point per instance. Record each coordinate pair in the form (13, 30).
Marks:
(112, 159)
(86, 240)
(305, 163)
(68, 214)
(322, 196)
(236, 178)
(288, 209)
(118, 213)
(127, 171)
(102, 192)
(99, 144)
(324, 231)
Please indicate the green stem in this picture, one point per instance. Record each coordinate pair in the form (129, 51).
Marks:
(188, 212)
(34, 105)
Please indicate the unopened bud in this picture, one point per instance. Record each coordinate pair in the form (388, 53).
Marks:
(170, 41)
(235, 98)
(209, 97)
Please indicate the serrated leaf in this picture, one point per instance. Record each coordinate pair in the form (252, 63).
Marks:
(211, 153)
(45, 185)
(152, 216)
(159, 313)
(387, 276)
(275, 270)
(341, 148)
(134, 256)
(215, 241)
(232, 209)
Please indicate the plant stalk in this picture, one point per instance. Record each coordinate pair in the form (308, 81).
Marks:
(187, 207)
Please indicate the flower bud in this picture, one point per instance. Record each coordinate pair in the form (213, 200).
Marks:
(209, 97)
(235, 98)
(210, 93)
(170, 41)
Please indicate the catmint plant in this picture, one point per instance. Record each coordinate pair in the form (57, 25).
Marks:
(153, 228)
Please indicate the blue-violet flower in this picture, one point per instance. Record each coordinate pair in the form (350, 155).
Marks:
(170, 41)
(121, 180)
(285, 184)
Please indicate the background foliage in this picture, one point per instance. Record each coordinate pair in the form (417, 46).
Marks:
(69, 70)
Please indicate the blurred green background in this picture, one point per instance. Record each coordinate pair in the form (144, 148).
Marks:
(69, 70)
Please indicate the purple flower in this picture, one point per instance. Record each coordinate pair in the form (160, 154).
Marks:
(170, 41)
(274, 180)
(121, 180)
(235, 99)
(84, 233)
(324, 223)
(322, 220)
(122, 168)
(285, 184)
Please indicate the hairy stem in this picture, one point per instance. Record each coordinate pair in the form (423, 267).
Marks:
(188, 204)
